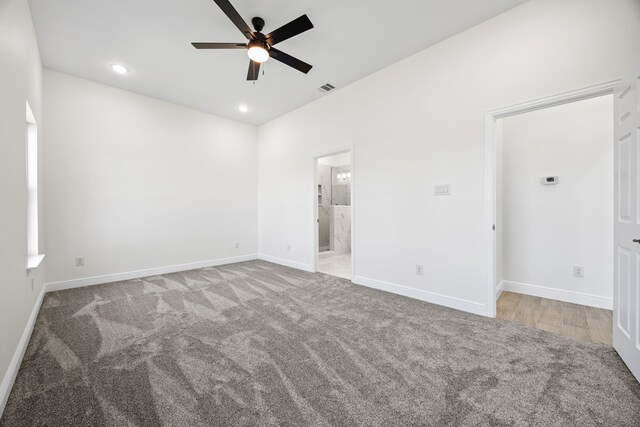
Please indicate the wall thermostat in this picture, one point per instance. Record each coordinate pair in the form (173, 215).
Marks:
(550, 180)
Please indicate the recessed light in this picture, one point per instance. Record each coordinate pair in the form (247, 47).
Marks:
(120, 69)
(243, 108)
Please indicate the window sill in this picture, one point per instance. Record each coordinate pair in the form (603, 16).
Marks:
(34, 261)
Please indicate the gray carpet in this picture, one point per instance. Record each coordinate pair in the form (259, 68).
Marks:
(259, 344)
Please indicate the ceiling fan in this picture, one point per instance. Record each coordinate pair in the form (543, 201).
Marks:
(260, 46)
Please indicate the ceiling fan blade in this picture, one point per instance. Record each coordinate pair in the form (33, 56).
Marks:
(293, 28)
(254, 70)
(235, 17)
(289, 60)
(219, 45)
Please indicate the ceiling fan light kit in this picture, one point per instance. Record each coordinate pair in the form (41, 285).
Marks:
(260, 46)
(258, 51)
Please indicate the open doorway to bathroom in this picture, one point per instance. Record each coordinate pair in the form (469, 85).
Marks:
(334, 178)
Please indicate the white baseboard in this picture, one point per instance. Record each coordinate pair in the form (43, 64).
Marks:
(559, 294)
(286, 263)
(499, 289)
(16, 360)
(432, 297)
(97, 280)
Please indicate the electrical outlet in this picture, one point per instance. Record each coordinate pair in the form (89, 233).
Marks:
(578, 271)
(80, 261)
(419, 270)
(237, 245)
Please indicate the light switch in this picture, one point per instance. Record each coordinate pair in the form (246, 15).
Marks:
(442, 190)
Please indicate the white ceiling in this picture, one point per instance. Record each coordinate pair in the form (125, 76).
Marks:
(351, 39)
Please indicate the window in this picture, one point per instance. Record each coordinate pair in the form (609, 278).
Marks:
(33, 255)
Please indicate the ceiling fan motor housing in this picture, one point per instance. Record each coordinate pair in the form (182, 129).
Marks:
(258, 23)
(258, 43)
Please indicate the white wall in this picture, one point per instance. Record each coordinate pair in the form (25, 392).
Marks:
(135, 183)
(419, 123)
(20, 81)
(547, 229)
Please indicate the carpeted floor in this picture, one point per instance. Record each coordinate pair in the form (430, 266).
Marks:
(259, 344)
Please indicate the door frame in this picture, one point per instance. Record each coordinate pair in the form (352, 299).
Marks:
(314, 201)
(491, 118)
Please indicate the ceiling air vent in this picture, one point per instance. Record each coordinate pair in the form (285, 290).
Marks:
(326, 88)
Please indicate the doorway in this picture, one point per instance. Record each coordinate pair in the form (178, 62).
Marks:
(541, 180)
(554, 219)
(626, 230)
(333, 214)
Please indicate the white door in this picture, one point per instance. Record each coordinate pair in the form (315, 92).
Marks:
(626, 291)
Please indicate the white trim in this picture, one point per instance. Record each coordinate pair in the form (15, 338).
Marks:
(314, 204)
(558, 294)
(31, 119)
(499, 289)
(490, 212)
(16, 360)
(33, 262)
(588, 92)
(287, 263)
(431, 297)
(97, 280)
(490, 169)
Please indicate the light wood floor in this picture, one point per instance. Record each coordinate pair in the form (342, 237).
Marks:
(579, 322)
